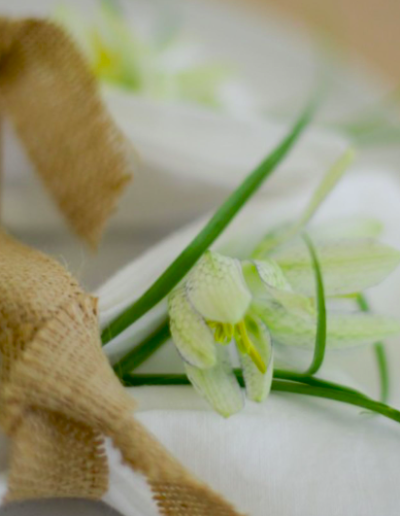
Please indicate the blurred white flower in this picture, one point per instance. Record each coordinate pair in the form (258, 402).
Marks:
(168, 68)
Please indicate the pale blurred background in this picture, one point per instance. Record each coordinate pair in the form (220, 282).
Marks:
(276, 49)
(367, 28)
(277, 52)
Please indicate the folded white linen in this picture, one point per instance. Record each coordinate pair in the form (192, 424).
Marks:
(291, 455)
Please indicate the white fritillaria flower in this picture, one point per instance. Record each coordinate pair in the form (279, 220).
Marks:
(270, 298)
(349, 266)
(253, 303)
(259, 290)
(163, 66)
(209, 310)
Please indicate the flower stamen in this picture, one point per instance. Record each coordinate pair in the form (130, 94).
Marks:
(247, 347)
(223, 332)
(229, 331)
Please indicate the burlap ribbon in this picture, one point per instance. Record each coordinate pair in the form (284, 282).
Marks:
(59, 396)
(50, 96)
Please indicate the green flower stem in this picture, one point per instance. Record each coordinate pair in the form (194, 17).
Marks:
(279, 385)
(179, 379)
(380, 354)
(223, 216)
(143, 351)
(320, 338)
(151, 380)
(381, 358)
(316, 382)
(336, 395)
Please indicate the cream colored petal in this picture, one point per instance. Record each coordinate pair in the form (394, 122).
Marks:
(349, 228)
(343, 330)
(217, 289)
(218, 385)
(191, 335)
(258, 385)
(271, 274)
(266, 281)
(348, 266)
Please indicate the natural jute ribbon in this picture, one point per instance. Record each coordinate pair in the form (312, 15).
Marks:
(58, 394)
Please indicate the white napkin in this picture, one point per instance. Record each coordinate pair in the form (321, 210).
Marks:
(290, 455)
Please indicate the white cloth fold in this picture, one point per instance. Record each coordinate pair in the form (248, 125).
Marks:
(291, 455)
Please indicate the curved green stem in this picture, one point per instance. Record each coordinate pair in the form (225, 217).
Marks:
(316, 382)
(336, 395)
(383, 366)
(179, 379)
(279, 385)
(380, 354)
(320, 337)
(143, 351)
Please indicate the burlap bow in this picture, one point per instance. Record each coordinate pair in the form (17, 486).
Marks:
(59, 396)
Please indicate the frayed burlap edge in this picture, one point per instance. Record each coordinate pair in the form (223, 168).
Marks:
(59, 396)
(51, 98)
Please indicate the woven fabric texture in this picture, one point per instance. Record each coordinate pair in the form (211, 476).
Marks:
(50, 96)
(59, 396)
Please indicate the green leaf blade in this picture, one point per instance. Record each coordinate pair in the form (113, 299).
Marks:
(340, 393)
(321, 333)
(223, 216)
(380, 354)
(143, 351)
